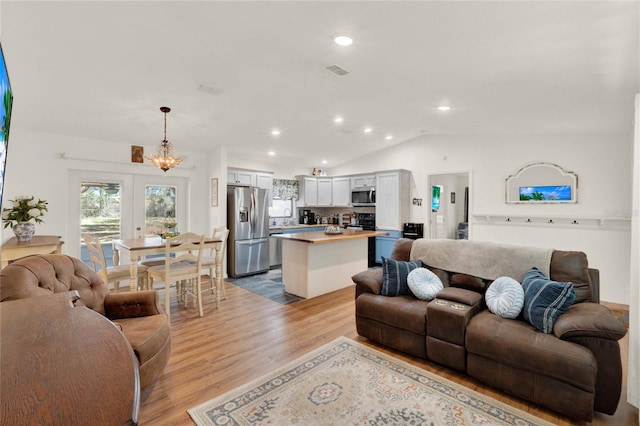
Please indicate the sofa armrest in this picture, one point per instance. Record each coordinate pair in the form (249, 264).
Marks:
(588, 320)
(132, 304)
(369, 281)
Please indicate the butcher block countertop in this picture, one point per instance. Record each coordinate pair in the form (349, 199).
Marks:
(318, 237)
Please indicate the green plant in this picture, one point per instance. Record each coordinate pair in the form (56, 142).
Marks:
(23, 210)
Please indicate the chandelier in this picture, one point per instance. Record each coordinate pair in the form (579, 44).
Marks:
(163, 158)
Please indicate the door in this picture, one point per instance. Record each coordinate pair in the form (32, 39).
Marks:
(251, 256)
(451, 210)
(239, 213)
(259, 213)
(100, 215)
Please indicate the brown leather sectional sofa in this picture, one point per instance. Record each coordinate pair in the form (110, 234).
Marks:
(137, 314)
(574, 370)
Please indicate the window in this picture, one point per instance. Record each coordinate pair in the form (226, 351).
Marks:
(281, 208)
(160, 209)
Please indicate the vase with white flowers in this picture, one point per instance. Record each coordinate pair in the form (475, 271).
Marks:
(24, 209)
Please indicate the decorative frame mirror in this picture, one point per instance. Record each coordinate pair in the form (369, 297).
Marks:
(542, 183)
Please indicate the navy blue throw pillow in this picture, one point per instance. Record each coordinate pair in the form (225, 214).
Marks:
(545, 300)
(394, 276)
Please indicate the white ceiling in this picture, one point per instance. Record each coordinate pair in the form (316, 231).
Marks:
(101, 70)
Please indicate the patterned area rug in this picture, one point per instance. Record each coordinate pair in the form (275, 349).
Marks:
(347, 383)
(268, 284)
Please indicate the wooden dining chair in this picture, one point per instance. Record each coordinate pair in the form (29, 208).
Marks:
(209, 260)
(110, 274)
(183, 261)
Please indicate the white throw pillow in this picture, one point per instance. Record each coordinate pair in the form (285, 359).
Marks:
(505, 297)
(424, 284)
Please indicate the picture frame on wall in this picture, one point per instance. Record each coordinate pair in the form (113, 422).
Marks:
(214, 192)
(137, 154)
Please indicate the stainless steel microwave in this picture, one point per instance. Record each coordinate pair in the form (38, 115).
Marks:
(363, 196)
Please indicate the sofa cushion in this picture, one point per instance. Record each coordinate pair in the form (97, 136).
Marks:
(147, 335)
(442, 274)
(402, 249)
(424, 284)
(545, 300)
(505, 297)
(468, 282)
(394, 276)
(572, 266)
(402, 312)
(519, 345)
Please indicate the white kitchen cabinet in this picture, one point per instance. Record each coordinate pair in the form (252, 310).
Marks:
(309, 191)
(341, 191)
(241, 177)
(364, 181)
(265, 180)
(392, 199)
(325, 192)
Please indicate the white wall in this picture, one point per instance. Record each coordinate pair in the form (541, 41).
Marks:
(603, 165)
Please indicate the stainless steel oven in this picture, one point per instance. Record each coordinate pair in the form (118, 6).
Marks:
(367, 221)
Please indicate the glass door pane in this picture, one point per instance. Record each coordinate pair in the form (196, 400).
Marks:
(160, 209)
(100, 215)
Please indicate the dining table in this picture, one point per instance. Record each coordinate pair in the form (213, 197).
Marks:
(137, 248)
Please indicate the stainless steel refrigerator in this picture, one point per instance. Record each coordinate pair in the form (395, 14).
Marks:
(248, 223)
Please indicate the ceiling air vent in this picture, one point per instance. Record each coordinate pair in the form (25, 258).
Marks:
(336, 69)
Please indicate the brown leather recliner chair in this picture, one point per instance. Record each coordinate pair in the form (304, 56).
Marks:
(138, 314)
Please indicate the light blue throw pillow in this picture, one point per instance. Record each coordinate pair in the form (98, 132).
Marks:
(394, 276)
(424, 284)
(505, 297)
(545, 300)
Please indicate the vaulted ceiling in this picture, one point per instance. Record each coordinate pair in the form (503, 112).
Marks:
(234, 71)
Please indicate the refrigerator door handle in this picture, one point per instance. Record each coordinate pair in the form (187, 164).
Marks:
(251, 242)
(252, 213)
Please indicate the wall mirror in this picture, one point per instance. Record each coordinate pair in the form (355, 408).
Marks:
(542, 183)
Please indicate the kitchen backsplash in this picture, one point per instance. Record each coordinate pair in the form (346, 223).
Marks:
(328, 212)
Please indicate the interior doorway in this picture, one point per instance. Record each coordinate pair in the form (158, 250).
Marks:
(449, 205)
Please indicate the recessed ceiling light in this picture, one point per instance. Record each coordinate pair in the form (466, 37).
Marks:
(444, 108)
(388, 137)
(271, 153)
(275, 132)
(324, 161)
(368, 130)
(338, 120)
(343, 39)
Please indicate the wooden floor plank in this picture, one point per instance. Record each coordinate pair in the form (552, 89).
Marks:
(250, 336)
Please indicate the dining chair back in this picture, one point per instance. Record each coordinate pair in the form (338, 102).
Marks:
(183, 261)
(110, 274)
(209, 261)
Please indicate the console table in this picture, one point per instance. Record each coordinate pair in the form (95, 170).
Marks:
(64, 364)
(39, 244)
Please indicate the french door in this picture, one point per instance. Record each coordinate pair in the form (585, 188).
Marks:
(113, 205)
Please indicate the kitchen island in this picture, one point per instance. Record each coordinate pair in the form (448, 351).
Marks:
(315, 263)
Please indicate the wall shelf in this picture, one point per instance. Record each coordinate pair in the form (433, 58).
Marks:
(554, 221)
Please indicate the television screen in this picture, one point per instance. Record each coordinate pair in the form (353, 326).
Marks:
(545, 193)
(5, 118)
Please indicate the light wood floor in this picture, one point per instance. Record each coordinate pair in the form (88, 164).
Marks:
(249, 336)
